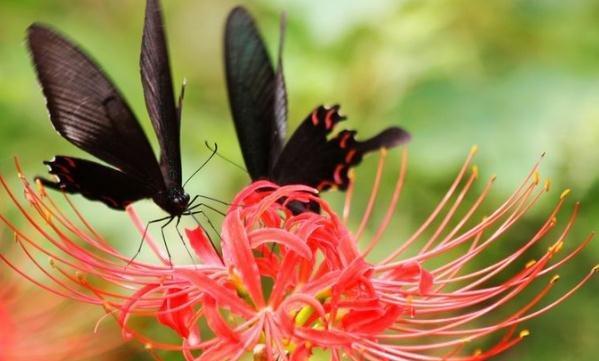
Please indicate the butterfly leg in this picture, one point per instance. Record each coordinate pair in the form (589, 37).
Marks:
(143, 238)
(190, 209)
(170, 219)
(192, 214)
(183, 240)
(192, 201)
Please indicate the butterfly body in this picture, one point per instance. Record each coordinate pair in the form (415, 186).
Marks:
(173, 200)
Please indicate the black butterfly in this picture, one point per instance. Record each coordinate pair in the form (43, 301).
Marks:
(258, 101)
(89, 111)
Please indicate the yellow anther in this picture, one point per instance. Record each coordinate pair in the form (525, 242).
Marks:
(556, 247)
(47, 216)
(384, 152)
(40, 187)
(80, 277)
(547, 185)
(475, 171)
(524, 333)
(554, 279)
(467, 339)
(259, 352)
(148, 346)
(351, 174)
(530, 263)
(565, 193)
(536, 177)
(478, 352)
(474, 149)
(595, 269)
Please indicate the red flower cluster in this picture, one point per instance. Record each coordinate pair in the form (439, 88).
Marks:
(289, 284)
(37, 326)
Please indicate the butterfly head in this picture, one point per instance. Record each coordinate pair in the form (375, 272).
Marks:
(174, 201)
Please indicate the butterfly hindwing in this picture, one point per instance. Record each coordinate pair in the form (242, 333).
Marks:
(87, 109)
(310, 158)
(95, 182)
(159, 95)
(257, 94)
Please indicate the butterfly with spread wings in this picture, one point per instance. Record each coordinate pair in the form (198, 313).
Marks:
(258, 102)
(88, 110)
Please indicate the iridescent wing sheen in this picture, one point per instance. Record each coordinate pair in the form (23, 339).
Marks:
(87, 109)
(159, 95)
(257, 94)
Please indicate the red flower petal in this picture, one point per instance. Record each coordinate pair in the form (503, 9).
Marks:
(237, 245)
(413, 271)
(202, 246)
(174, 313)
(223, 296)
(216, 322)
(282, 237)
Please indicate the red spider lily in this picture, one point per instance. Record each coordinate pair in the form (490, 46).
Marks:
(37, 326)
(288, 284)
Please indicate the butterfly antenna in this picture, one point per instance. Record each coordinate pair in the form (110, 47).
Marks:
(203, 164)
(181, 97)
(225, 158)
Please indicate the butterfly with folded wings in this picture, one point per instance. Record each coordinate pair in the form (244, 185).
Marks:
(258, 102)
(89, 111)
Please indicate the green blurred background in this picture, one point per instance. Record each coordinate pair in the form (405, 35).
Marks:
(518, 78)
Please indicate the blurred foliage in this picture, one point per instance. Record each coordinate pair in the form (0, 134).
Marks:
(516, 77)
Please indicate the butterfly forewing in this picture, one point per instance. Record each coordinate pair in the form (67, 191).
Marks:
(159, 94)
(251, 86)
(87, 109)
